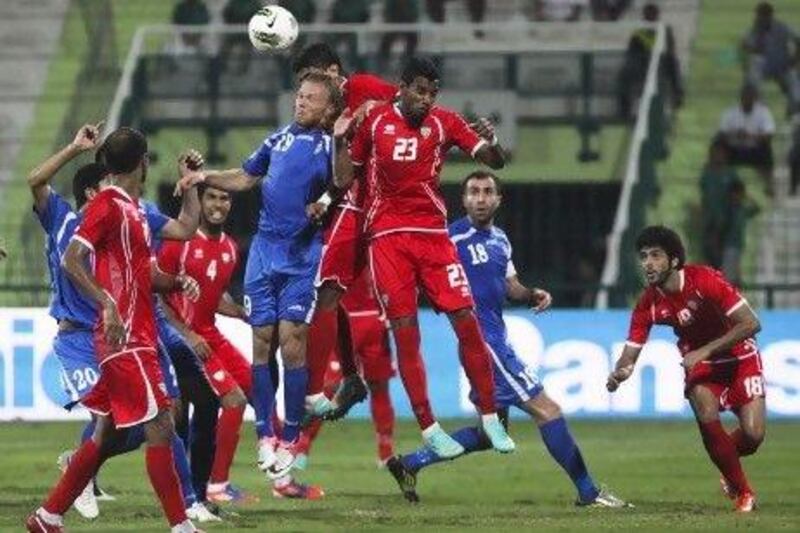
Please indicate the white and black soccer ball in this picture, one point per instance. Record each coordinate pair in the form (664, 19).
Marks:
(272, 28)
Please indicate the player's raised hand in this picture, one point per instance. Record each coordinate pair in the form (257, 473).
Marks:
(618, 376)
(88, 137)
(188, 181)
(113, 329)
(484, 128)
(540, 300)
(344, 126)
(190, 161)
(198, 345)
(189, 286)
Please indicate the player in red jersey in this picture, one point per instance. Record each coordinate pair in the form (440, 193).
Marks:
(403, 145)
(131, 390)
(715, 328)
(211, 258)
(344, 254)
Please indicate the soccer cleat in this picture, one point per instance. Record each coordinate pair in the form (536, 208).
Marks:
(284, 461)
(351, 391)
(185, 527)
(406, 479)
(200, 513)
(605, 498)
(497, 434)
(298, 491)
(229, 494)
(745, 503)
(301, 461)
(266, 453)
(102, 495)
(441, 443)
(36, 524)
(317, 406)
(86, 502)
(727, 489)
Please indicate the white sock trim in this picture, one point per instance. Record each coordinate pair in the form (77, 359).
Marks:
(51, 518)
(491, 417)
(217, 487)
(430, 430)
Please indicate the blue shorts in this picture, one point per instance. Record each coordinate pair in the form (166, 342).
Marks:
(514, 382)
(272, 294)
(184, 360)
(79, 369)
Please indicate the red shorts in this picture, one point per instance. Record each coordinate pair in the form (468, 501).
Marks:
(343, 255)
(131, 388)
(735, 383)
(226, 368)
(371, 345)
(401, 262)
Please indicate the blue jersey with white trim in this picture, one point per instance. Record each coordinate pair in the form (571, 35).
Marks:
(296, 164)
(486, 257)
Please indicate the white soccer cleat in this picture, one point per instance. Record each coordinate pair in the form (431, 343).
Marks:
(284, 461)
(266, 453)
(185, 527)
(200, 513)
(86, 502)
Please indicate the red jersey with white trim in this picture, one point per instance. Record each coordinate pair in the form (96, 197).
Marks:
(404, 163)
(116, 231)
(359, 89)
(211, 262)
(698, 313)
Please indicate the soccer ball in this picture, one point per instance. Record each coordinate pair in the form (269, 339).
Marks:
(272, 28)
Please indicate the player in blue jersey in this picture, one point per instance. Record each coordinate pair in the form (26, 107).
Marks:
(485, 253)
(293, 167)
(73, 345)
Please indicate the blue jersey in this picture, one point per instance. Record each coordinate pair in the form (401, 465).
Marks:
(296, 164)
(486, 257)
(156, 220)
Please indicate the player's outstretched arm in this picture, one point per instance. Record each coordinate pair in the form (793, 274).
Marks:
(231, 180)
(745, 324)
(491, 153)
(197, 343)
(184, 227)
(342, 164)
(535, 298)
(166, 283)
(624, 367)
(39, 178)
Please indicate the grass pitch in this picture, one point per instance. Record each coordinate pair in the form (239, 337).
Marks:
(660, 466)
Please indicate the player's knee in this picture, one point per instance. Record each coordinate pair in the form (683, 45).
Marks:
(262, 344)
(461, 314)
(404, 322)
(159, 430)
(754, 436)
(544, 409)
(235, 399)
(377, 386)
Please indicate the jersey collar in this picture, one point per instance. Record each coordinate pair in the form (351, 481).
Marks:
(121, 191)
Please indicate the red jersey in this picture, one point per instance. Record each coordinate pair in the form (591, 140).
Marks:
(359, 89)
(211, 262)
(698, 313)
(404, 164)
(117, 232)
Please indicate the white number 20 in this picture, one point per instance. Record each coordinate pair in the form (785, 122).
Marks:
(405, 149)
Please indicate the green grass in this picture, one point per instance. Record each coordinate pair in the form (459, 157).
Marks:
(660, 466)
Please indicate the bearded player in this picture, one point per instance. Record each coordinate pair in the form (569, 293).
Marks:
(715, 327)
(403, 146)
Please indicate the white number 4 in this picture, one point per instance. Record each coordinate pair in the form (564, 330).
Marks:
(405, 149)
(211, 271)
(754, 386)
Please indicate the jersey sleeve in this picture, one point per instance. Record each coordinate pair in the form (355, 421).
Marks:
(156, 220)
(641, 322)
(54, 212)
(511, 270)
(169, 257)
(458, 132)
(258, 162)
(99, 221)
(360, 88)
(361, 144)
(716, 288)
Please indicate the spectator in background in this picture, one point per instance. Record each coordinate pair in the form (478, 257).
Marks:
(746, 131)
(740, 209)
(637, 60)
(558, 10)
(714, 184)
(476, 8)
(608, 10)
(305, 11)
(190, 13)
(348, 12)
(238, 12)
(398, 12)
(769, 55)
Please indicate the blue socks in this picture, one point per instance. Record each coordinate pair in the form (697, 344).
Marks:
(471, 438)
(563, 449)
(263, 400)
(184, 471)
(295, 384)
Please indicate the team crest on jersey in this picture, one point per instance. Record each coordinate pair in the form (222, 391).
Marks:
(425, 131)
(226, 257)
(198, 253)
(388, 129)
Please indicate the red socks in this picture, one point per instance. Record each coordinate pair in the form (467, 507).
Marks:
(412, 372)
(227, 440)
(322, 337)
(164, 478)
(82, 467)
(476, 360)
(382, 417)
(721, 449)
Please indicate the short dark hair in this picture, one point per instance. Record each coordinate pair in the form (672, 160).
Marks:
(334, 92)
(664, 238)
(203, 187)
(317, 55)
(765, 9)
(123, 150)
(87, 177)
(419, 67)
(480, 175)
